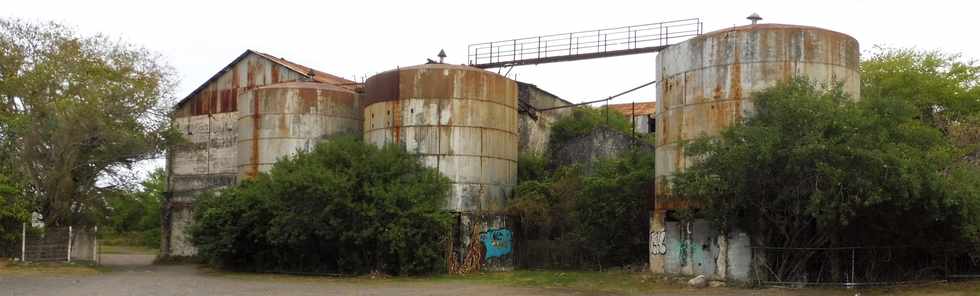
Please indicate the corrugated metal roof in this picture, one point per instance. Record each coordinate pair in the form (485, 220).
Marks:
(642, 108)
(318, 75)
(313, 74)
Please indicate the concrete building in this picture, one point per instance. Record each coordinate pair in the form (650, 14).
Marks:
(537, 115)
(286, 107)
(641, 115)
(468, 123)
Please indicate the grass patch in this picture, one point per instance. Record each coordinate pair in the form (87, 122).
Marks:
(124, 249)
(612, 281)
(10, 268)
(585, 281)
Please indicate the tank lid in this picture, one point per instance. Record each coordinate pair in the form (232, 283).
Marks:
(768, 27)
(438, 66)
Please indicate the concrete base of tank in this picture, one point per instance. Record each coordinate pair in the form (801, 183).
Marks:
(493, 231)
(698, 248)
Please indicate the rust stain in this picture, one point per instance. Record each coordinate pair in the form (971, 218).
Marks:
(256, 125)
(736, 82)
(396, 120)
(307, 99)
(274, 72)
(250, 74)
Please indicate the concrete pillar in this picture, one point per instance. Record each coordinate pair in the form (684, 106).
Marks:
(722, 263)
(658, 244)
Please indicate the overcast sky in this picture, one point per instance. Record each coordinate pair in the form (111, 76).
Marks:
(358, 38)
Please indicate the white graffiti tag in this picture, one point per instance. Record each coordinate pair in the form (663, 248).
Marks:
(658, 244)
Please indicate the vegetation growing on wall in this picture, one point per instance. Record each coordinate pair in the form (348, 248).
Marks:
(345, 207)
(583, 120)
(812, 168)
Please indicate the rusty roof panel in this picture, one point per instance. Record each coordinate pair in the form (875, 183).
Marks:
(640, 108)
(240, 76)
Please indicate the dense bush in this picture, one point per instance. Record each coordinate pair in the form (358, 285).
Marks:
(133, 217)
(813, 168)
(600, 219)
(345, 207)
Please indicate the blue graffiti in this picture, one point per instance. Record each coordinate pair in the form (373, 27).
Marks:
(496, 242)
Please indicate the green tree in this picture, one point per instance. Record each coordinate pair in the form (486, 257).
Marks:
(13, 212)
(344, 207)
(814, 168)
(943, 88)
(136, 213)
(76, 112)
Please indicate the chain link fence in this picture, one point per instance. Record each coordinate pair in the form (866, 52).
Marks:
(52, 244)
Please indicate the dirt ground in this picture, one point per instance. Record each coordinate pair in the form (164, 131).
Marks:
(127, 279)
(131, 274)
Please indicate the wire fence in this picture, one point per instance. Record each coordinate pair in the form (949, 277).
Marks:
(864, 266)
(49, 244)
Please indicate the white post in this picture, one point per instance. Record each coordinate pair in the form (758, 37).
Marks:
(95, 245)
(69, 243)
(23, 243)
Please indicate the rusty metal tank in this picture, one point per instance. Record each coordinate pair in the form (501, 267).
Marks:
(278, 120)
(460, 120)
(706, 83)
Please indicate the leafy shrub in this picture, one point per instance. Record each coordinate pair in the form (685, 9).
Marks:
(344, 207)
(13, 212)
(600, 219)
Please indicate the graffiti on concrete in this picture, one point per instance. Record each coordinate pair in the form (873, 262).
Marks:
(658, 244)
(497, 242)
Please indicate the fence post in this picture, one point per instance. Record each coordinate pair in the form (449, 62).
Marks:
(852, 266)
(23, 242)
(95, 245)
(69, 243)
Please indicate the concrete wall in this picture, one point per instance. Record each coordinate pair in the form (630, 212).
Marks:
(83, 244)
(535, 126)
(601, 143)
(642, 123)
(697, 248)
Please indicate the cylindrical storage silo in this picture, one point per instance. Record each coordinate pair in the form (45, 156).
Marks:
(705, 85)
(462, 121)
(278, 120)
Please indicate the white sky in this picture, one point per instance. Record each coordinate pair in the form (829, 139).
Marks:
(359, 38)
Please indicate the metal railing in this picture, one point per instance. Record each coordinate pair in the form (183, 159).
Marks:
(582, 45)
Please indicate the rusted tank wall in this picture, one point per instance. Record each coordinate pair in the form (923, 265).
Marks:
(460, 120)
(705, 85)
(535, 126)
(208, 158)
(278, 120)
(463, 122)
